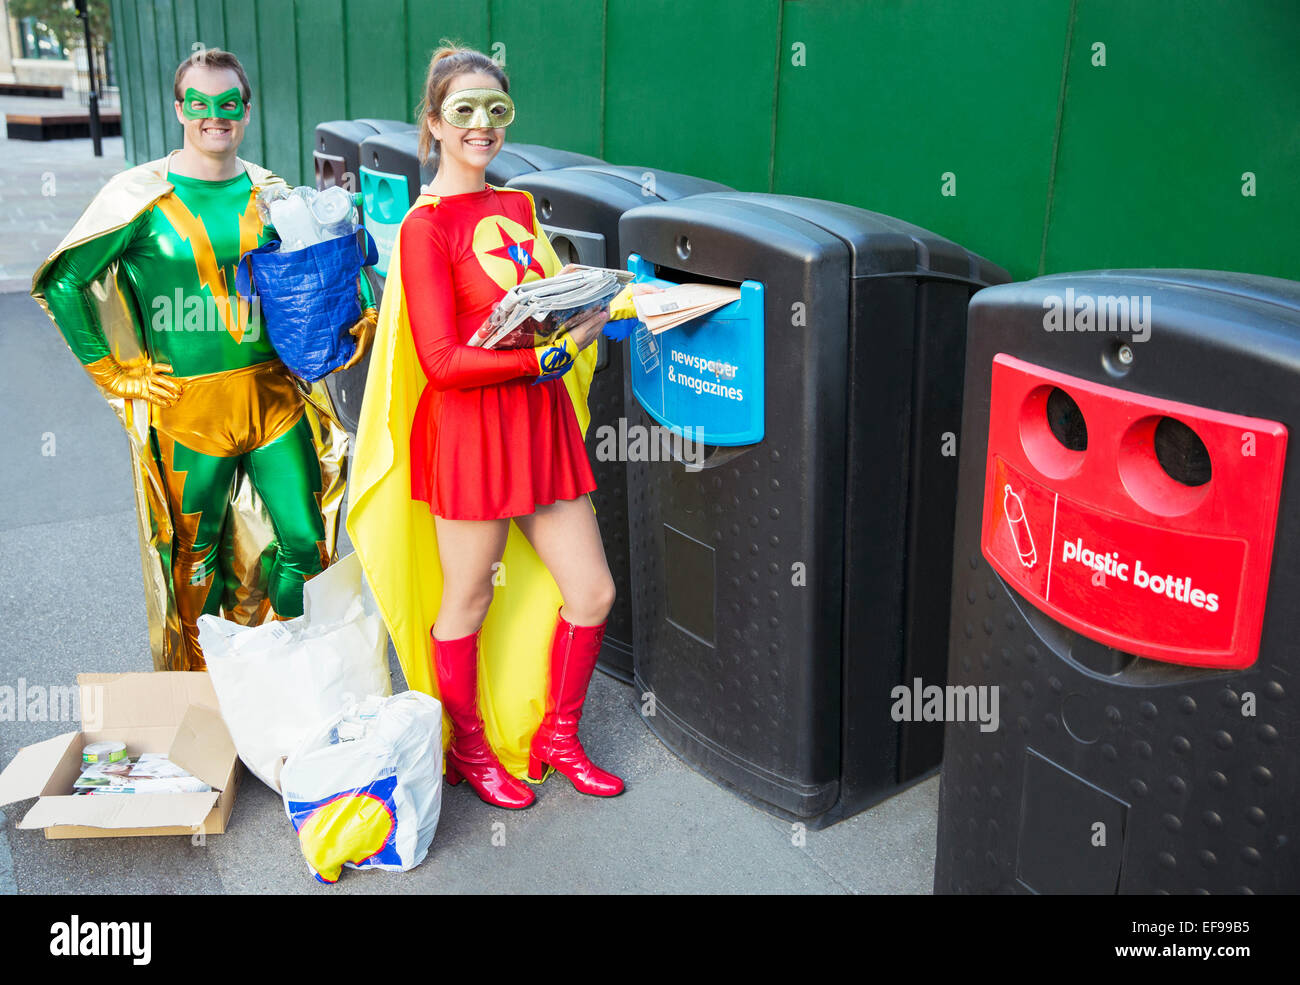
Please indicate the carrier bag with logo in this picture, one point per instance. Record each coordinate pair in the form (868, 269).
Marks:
(365, 789)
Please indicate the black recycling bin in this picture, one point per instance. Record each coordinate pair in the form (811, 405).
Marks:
(337, 154)
(391, 178)
(579, 209)
(516, 159)
(337, 149)
(791, 562)
(1124, 589)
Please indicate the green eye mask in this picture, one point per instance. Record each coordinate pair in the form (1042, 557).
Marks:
(470, 109)
(213, 105)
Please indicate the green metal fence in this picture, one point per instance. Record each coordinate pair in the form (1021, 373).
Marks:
(1045, 134)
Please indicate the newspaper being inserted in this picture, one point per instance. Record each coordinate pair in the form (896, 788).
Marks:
(535, 313)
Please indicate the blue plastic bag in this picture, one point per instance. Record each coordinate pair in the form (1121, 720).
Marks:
(309, 299)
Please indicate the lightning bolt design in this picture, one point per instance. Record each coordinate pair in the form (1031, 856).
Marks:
(211, 275)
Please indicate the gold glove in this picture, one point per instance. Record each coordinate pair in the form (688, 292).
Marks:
(364, 332)
(136, 380)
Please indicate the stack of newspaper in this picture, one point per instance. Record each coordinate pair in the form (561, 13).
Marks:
(682, 303)
(152, 772)
(535, 313)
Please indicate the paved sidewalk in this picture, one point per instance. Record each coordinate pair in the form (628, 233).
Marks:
(44, 186)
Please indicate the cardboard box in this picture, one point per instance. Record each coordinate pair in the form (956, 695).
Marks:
(173, 713)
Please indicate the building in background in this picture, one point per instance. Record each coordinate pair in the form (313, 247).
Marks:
(31, 53)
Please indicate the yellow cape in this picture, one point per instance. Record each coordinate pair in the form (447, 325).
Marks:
(249, 534)
(395, 539)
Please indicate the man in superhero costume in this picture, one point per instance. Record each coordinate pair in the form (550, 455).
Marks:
(142, 289)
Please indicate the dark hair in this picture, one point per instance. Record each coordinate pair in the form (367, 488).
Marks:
(211, 58)
(448, 62)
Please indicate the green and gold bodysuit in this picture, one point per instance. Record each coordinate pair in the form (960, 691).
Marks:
(239, 404)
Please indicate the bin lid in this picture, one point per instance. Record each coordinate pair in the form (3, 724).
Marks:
(580, 196)
(397, 151)
(548, 158)
(668, 185)
(355, 131)
(387, 126)
(879, 244)
(1255, 287)
(505, 166)
(402, 140)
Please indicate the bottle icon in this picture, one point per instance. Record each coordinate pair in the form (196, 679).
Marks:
(1019, 527)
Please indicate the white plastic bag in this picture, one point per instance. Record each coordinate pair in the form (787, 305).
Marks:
(278, 682)
(365, 789)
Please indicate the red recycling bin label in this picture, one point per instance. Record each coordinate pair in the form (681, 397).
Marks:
(1136, 586)
(1093, 528)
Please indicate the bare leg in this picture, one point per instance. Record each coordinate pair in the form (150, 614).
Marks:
(567, 539)
(467, 550)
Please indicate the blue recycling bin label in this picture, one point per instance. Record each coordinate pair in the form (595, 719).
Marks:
(703, 379)
(386, 201)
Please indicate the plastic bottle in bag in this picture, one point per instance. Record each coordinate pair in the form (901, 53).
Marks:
(334, 213)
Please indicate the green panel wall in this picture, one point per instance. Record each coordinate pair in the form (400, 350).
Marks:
(376, 60)
(1056, 163)
(277, 47)
(691, 87)
(428, 24)
(1155, 142)
(918, 100)
(242, 31)
(320, 79)
(558, 100)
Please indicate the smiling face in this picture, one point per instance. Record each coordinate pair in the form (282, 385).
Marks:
(212, 135)
(472, 148)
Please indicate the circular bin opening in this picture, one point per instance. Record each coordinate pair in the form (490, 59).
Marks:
(1053, 432)
(564, 249)
(1164, 465)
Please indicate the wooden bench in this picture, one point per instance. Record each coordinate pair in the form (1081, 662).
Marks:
(31, 89)
(60, 126)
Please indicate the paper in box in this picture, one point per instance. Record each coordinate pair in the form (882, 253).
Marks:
(167, 712)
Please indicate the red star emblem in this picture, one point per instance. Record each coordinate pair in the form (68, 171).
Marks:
(520, 252)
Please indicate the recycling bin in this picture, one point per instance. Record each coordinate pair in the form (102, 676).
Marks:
(337, 148)
(579, 208)
(337, 154)
(791, 537)
(516, 159)
(1123, 595)
(391, 178)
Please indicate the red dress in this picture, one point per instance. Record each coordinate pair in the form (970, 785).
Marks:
(485, 443)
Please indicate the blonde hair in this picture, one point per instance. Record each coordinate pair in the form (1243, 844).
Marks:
(447, 62)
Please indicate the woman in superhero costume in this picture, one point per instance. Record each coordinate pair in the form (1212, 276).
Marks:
(219, 401)
(491, 444)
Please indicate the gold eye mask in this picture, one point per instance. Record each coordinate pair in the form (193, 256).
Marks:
(470, 109)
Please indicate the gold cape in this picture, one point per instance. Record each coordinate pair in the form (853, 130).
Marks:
(395, 538)
(248, 537)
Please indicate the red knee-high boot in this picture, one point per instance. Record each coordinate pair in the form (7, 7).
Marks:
(470, 757)
(574, 652)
